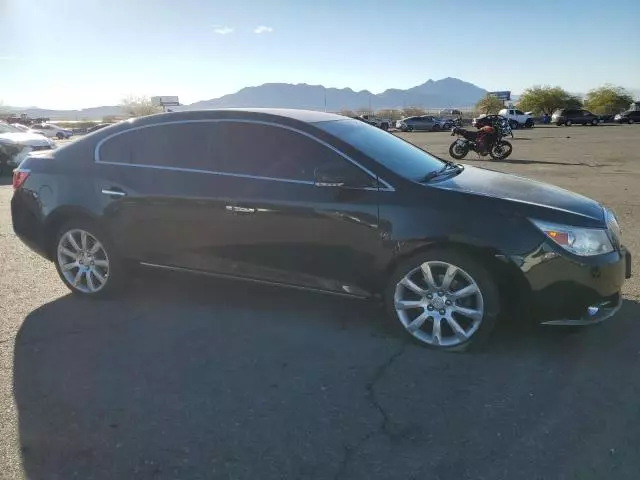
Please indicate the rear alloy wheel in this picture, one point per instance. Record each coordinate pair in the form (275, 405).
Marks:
(444, 299)
(86, 262)
(630, 121)
(568, 123)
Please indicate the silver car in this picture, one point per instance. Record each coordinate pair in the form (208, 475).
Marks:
(420, 123)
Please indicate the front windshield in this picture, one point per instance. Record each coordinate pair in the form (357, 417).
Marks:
(399, 156)
(6, 128)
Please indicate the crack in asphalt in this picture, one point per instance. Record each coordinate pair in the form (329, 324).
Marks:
(371, 396)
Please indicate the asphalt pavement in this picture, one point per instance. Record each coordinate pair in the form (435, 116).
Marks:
(190, 378)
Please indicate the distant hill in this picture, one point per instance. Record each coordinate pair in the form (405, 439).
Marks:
(444, 93)
(448, 92)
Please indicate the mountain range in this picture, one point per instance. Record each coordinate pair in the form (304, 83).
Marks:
(445, 93)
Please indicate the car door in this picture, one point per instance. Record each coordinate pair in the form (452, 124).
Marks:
(287, 230)
(164, 202)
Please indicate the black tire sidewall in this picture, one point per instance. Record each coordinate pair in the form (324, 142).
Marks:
(484, 279)
(456, 156)
(117, 273)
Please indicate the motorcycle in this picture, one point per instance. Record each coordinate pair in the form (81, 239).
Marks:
(486, 141)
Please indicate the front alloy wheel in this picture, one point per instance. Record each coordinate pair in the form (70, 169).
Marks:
(445, 300)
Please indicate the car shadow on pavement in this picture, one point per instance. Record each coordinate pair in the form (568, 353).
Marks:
(196, 378)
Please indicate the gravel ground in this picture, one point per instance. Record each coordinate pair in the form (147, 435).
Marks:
(186, 377)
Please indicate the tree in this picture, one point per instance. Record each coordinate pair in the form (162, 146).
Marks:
(489, 104)
(413, 111)
(608, 99)
(545, 99)
(138, 106)
(109, 119)
(390, 113)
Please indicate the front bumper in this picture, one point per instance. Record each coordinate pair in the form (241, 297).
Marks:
(566, 291)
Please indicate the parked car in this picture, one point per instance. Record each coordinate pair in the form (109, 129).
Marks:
(15, 144)
(517, 118)
(421, 122)
(630, 116)
(321, 202)
(52, 131)
(569, 116)
(98, 127)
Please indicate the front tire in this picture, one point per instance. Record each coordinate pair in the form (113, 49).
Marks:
(60, 136)
(436, 128)
(594, 122)
(630, 121)
(87, 261)
(458, 151)
(568, 123)
(501, 150)
(445, 299)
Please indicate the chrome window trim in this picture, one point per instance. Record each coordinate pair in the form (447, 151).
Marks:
(383, 185)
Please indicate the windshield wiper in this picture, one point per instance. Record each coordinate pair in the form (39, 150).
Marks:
(447, 167)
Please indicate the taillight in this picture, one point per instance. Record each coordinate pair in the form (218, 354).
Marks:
(19, 176)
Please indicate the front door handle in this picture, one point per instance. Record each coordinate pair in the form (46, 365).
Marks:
(113, 192)
(236, 209)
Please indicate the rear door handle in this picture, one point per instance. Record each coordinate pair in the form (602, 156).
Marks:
(113, 192)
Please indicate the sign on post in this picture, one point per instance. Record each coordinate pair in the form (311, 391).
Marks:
(166, 101)
(504, 95)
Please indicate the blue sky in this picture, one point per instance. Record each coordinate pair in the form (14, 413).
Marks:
(81, 53)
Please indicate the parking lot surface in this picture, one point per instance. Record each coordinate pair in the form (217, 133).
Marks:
(185, 377)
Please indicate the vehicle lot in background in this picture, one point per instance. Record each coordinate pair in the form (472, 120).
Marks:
(569, 116)
(51, 130)
(200, 379)
(427, 123)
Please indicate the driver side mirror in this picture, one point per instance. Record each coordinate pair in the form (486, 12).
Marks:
(340, 176)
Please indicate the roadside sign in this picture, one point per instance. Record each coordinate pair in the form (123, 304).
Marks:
(166, 101)
(504, 95)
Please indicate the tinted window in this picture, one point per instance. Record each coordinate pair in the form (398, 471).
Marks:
(394, 153)
(274, 152)
(518, 112)
(184, 145)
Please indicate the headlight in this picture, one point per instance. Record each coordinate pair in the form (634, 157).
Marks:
(579, 241)
(618, 116)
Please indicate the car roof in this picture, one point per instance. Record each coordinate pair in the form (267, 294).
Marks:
(306, 116)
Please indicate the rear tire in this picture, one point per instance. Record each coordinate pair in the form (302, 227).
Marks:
(568, 123)
(458, 151)
(464, 321)
(436, 128)
(60, 136)
(630, 121)
(87, 261)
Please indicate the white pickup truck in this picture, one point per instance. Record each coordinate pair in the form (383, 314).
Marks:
(517, 118)
(383, 123)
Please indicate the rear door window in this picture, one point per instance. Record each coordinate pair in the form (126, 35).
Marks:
(177, 145)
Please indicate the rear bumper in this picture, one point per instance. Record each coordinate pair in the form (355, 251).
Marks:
(26, 223)
(565, 292)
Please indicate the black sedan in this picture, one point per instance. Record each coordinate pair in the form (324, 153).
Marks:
(315, 201)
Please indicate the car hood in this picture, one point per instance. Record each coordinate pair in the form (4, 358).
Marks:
(30, 139)
(513, 188)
